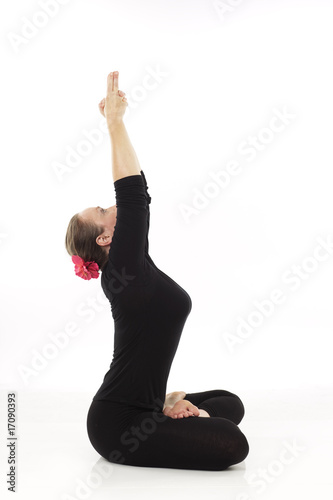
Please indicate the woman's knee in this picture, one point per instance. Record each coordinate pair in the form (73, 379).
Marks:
(240, 447)
(235, 404)
(239, 410)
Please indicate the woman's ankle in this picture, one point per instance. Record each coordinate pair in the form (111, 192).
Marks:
(173, 397)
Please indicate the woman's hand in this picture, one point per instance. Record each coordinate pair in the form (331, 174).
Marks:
(182, 409)
(114, 105)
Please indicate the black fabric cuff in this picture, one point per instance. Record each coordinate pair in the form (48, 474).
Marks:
(129, 180)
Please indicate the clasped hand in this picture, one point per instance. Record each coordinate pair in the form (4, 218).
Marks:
(114, 105)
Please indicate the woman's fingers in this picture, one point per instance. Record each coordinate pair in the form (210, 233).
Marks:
(115, 100)
(115, 81)
(112, 83)
(101, 106)
(109, 84)
(109, 87)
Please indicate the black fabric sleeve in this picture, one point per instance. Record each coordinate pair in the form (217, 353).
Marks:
(129, 240)
(146, 187)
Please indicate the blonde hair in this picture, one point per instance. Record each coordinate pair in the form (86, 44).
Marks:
(81, 240)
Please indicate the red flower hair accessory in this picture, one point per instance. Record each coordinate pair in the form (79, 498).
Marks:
(85, 270)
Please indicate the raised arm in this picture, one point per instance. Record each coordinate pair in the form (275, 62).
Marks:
(129, 243)
(113, 107)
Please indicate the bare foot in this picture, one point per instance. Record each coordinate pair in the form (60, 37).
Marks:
(172, 398)
(203, 413)
(182, 409)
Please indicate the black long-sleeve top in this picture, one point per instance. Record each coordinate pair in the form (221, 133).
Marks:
(148, 307)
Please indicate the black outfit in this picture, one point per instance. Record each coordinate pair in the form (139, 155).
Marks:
(125, 421)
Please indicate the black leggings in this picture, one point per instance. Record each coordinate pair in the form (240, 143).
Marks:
(130, 435)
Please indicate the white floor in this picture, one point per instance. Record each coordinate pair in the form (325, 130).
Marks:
(291, 445)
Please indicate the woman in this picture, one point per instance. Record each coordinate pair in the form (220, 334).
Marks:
(131, 420)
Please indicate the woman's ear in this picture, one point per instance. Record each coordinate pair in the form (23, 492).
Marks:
(103, 240)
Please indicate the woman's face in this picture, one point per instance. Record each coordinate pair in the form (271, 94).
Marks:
(105, 217)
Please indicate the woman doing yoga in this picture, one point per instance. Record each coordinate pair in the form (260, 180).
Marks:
(131, 419)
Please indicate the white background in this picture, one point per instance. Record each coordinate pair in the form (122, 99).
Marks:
(222, 78)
